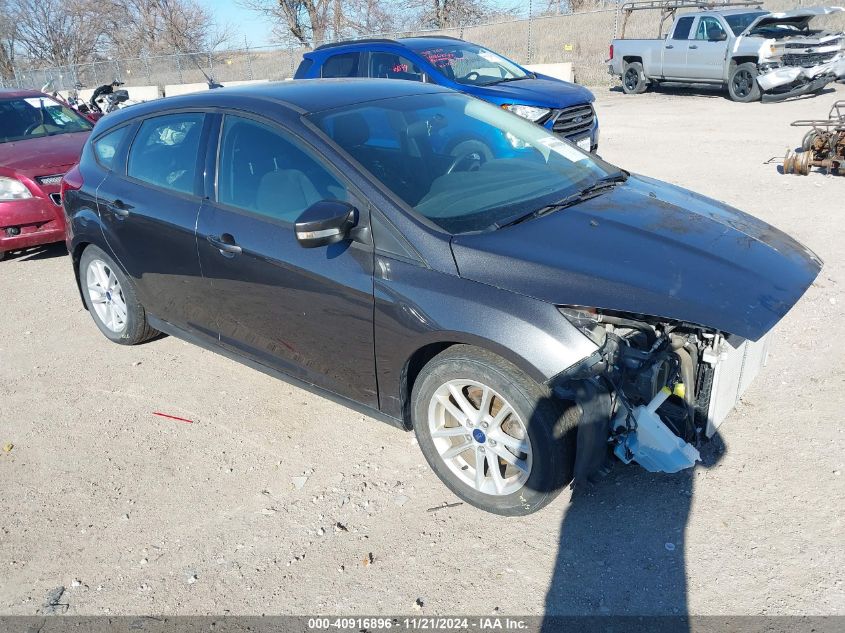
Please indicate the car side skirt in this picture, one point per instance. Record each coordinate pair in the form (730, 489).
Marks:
(205, 343)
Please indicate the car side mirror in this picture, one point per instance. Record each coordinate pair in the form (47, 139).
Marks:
(325, 222)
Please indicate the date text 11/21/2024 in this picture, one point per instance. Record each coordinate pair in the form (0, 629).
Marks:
(420, 623)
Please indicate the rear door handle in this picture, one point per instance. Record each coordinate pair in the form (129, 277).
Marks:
(693, 46)
(669, 46)
(225, 244)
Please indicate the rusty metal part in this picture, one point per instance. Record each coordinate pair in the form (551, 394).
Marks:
(823, 146)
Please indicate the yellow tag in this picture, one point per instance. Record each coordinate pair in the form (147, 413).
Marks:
(568, 47)
(680, 390)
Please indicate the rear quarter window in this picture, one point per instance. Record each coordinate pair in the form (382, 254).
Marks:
(304, 68)
(106, 147)
(343, 65)
(165, 151)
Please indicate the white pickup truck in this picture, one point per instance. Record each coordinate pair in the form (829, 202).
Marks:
(753, 52)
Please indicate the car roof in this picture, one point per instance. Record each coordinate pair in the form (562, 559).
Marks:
(303, 96)
(412, 43)
(15, 92)
(733, 11)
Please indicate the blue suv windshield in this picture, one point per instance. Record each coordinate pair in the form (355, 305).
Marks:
(463, 164)
(473, 65)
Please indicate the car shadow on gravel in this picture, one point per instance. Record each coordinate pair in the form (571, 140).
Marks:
(709, 91)
(621, 551)
(48, 251)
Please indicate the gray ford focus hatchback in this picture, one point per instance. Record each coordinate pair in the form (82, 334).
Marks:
(437, 262)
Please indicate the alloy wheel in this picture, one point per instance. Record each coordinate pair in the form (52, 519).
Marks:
(632, 78)
(480, 437)
(106, 295)
(743, 82)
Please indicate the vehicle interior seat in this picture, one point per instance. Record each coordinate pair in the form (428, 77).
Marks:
(285, 194)
(175, 172)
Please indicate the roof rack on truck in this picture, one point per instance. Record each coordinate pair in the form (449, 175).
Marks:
(668, 8)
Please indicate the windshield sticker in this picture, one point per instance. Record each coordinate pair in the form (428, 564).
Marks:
(440, 57)
(562, 148)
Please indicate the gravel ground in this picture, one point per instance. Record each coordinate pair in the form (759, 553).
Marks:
(277, 501)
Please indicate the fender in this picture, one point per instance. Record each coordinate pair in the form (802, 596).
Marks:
(532, 334)
(83, 228)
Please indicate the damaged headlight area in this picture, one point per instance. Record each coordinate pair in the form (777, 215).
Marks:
(793, 65)
(654, 390)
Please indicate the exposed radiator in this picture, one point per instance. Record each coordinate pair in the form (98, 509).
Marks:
(739, 363)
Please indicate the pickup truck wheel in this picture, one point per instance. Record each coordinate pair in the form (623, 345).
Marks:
(742, 85)
(496, 438)
(633, 79)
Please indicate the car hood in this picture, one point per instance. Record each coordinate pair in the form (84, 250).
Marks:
(649, 248)
(42, 156)
(542, 91)
(798, 17)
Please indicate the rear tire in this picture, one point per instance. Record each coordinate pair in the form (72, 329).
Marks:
(472, 407)
(633, 79)
(742, 84)
(111, 299)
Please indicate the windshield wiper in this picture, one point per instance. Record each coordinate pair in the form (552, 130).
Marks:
(507, 79)
(599, 187)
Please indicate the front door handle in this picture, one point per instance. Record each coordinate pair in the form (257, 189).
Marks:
(693, 46)
(669, 46)
(225, 244)
(120, 208)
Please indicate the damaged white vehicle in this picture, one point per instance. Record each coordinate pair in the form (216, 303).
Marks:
(754, 53)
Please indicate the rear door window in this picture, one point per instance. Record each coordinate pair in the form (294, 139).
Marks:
(344, 65)
(682, 29)
(393, 66)
(165, 151)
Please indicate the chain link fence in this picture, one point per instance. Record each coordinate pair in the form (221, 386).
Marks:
(580, 38)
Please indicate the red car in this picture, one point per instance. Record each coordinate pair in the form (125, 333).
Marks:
(40, 139)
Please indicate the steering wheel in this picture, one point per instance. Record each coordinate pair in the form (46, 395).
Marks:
(473, 158)
(471, 76)
(31, 129)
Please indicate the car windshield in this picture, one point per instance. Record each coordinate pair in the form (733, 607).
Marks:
(740, 21)
(461, 163)
(23, 118)
(473, 65)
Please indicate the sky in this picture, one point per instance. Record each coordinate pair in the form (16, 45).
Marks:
(243, 23)
(257, 29)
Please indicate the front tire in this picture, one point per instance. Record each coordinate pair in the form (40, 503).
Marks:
(496, 438)
(633, 79)
(111, 299)
(742, 84)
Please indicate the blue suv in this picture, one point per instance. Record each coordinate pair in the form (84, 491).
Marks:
(562, 107)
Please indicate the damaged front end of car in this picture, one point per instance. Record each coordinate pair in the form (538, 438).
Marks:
(654, 390)
(794, 59)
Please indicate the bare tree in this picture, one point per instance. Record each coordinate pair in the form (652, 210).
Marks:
(8, 33)
(303, 22)
(138, 27)
(314, 22)
(441, 14)
(55, 31)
